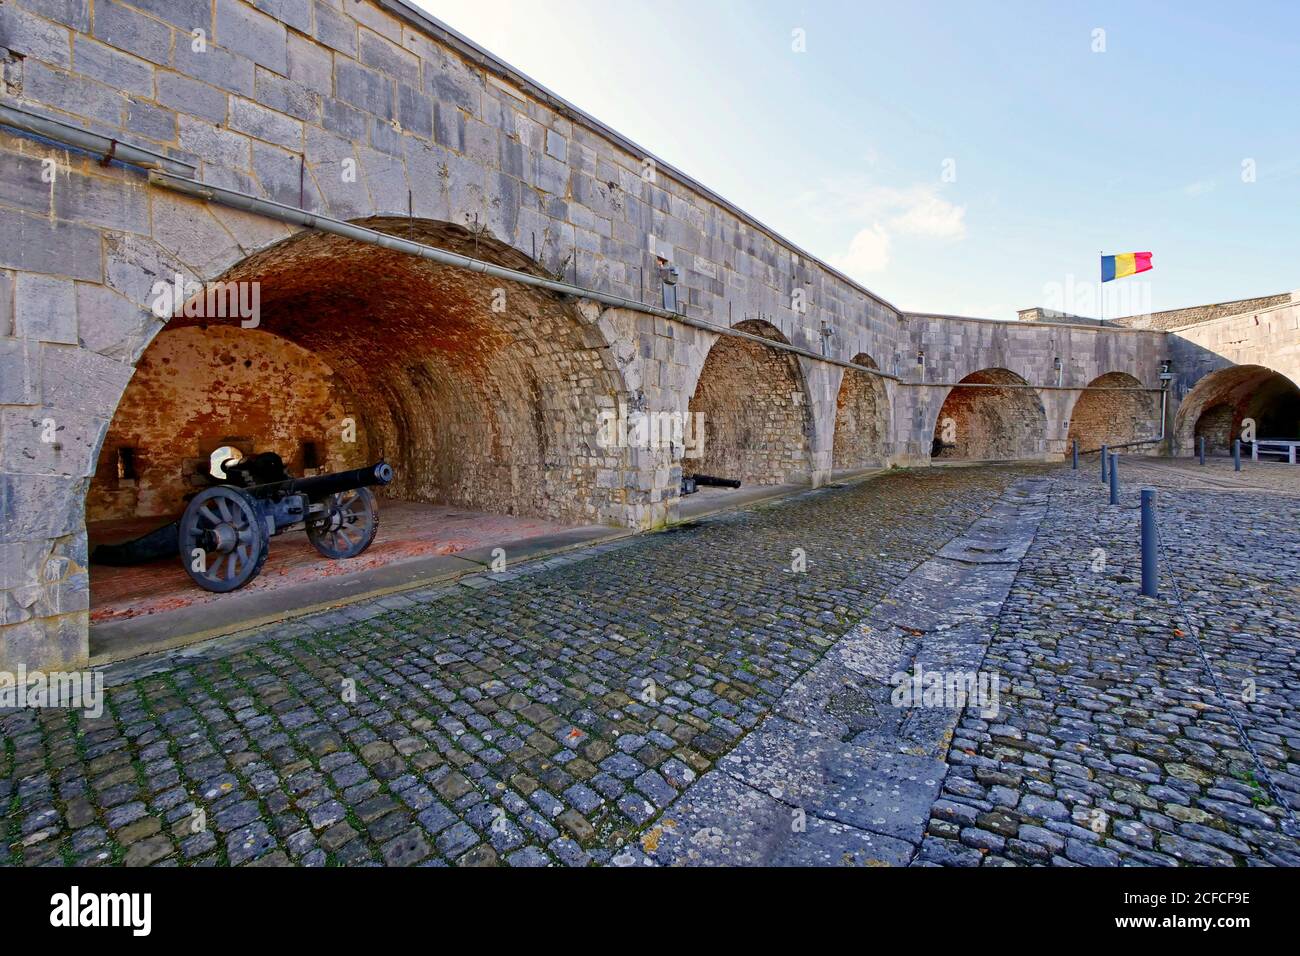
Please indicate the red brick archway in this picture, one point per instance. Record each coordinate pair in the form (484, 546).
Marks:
(484, 396)
(480, 393)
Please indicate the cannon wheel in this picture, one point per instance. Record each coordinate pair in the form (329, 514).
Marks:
(348, 524)
(226, 524)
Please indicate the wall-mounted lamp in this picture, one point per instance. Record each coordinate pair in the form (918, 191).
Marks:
(920, 357)
(668, 277)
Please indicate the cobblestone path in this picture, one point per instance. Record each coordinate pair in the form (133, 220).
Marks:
(494, 720)
(1112, 745)
(507, 719)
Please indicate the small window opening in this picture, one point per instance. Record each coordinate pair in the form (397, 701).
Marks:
(126, 464)
(310, 457)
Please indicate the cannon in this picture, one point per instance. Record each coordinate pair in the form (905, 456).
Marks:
(223, 538)
(715, 482)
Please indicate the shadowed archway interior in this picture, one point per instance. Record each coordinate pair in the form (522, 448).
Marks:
(861, 419)
(1103, 416)
(756, 417)
(481, 393)
(980, 421)
(1222, 402)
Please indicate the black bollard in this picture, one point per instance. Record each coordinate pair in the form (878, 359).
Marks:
(1202, 449)
(1103, 464)
(1074, 452)
(1114, 477)
(1236, 454)
(1150, 569)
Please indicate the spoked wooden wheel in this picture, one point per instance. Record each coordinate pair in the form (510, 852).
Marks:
(347, 525)
(223, 543)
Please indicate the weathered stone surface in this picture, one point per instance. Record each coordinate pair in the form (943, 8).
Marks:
(1111, 744)
(246, 31)
(45, 309)
(722, 822)
(493, 169)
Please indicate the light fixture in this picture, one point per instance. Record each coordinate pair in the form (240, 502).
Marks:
(668, 282)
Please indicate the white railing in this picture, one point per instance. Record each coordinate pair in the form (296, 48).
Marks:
(1274, 446)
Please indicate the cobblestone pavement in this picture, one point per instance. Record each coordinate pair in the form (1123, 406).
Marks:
(1112, 745)
(505, 720)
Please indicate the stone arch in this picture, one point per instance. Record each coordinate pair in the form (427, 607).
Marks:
(986, 417)
(1218, 404)
(754, 402)
(1102, 416)
(861, 418)
(482, 393)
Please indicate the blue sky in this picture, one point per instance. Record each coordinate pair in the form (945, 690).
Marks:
(968, 158)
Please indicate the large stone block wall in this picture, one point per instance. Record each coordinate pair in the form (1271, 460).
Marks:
(366, 110)
(1194, 315)
(1269, 337)
(957, 347)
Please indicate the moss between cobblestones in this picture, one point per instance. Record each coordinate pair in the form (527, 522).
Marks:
(1112, 745)
(711, 613)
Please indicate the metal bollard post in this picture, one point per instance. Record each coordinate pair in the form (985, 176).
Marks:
(1202, 449)
(1103, 464)
(1150, 568)
(1236, 454)
(1074, 451)
(1114, 477)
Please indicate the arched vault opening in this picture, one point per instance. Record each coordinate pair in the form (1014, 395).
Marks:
(484, 395)
(1222, 405)
(990, 416)
(757, 423)
(1104, 415)
(861, 419)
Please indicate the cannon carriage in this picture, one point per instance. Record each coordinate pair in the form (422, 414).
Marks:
(223, 537)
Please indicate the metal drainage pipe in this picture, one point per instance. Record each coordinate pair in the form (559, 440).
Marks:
(1164, 404)
(309, 220)
(103, 146)
(179, 177)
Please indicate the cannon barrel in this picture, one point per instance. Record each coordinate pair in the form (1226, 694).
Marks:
(716, 482)
(322, 486)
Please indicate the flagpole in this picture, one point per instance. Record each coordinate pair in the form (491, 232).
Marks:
(1101, 289)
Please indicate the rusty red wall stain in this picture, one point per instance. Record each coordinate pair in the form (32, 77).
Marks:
(196, 389)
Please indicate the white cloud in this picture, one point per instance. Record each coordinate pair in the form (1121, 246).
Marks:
(925, 214)
(1199, 187)
(868, 252)
(917, 210)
